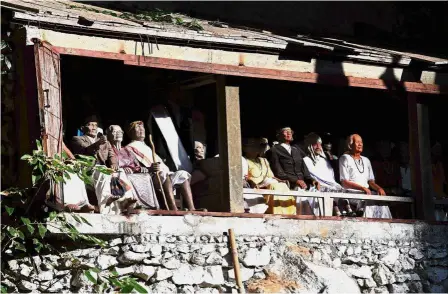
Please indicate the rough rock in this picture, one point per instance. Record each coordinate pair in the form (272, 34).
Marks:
(337, 262)
(416, 254)
(155, 250)
(370, 283)
(115, 242)
(406, 263)
(401, 278)
(208, 248)
(13, 265)
(105, 261)
(144, 272)
(114, 251)
(163, 274)
(335, 280)
(184, 248)
(315, 240)
(257, 258)
(130, 257)
(383, 276)
(122, 271)
(391, 256)
(415, 287)
(27, 286)
(342, 249)
(171, 263)
(207, 291)
(350, 251)
(214, 259)
(398, 288)
(197, 259)
(25, 270)
(186, 289)
(45, 276)
(259, 275)
(140, 248)
(437, 274)
(381, 290)
(223, 251)
(362, 272)
(246, 273)
(213, 276)
(152, 261)
(163, 287)
(188, 275)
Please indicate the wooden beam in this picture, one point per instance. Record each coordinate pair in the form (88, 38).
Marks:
(25, 105)
(421, 171)
(230, 145)
(258, 72)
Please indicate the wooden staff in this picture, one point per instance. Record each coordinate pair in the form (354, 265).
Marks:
(236, 263)
(157, 174)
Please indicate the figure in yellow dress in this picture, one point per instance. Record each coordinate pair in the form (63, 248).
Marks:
(260, 176)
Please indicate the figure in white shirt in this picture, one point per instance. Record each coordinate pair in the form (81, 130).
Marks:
(321, 170)
(357, 176)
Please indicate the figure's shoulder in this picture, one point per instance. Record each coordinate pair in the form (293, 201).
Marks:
(366, 159)
(78, 139)
(344, 157)
(307, 160)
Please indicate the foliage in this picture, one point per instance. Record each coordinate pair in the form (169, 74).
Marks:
(23, 232)
(103, 280)
(156, 15)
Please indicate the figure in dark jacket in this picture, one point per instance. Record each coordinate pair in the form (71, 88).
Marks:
(287, 162)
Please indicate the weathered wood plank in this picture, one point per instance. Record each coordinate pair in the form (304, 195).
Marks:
(230, 145)
(329, 195)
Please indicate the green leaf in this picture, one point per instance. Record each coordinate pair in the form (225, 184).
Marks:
(76, 218)
(85, 221)
(116, 282)
(12, 232)
(9, 210)
(52, 215)
(89, 276)
(39, 245)
(42, 230)
(25, 157)
(21, 235)
(39, 145)
(3, 289)
(138, 287)
(127, 289)
(35, 179)
(20, 246)
(95, 270)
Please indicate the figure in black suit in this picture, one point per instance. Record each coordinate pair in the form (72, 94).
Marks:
(287, 162)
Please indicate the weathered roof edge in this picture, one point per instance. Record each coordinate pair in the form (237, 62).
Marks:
(329, 47)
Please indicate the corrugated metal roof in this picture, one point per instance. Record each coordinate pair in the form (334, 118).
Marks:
(68, 13)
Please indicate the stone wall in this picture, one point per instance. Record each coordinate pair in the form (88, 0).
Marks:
(293, 263)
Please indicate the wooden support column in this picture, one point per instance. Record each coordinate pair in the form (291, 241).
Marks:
(420, 149)
(230, 145)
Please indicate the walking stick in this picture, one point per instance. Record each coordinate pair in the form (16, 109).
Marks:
(236, 263)
(157, 174)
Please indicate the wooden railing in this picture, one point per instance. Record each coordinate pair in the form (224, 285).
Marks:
(327, 197)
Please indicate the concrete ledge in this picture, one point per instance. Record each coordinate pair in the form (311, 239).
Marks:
(195, 224)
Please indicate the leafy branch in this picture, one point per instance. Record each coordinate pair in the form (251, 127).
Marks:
(27, 233)
(156, 15)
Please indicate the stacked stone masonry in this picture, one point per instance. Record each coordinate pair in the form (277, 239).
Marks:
(203, 264)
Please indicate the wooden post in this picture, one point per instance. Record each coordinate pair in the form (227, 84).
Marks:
(420, 149)
(230, 145)
(236, 262)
